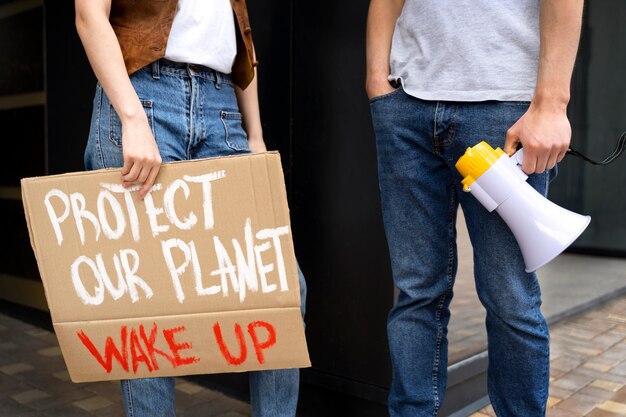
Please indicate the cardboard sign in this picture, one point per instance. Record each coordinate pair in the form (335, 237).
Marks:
(199, 277)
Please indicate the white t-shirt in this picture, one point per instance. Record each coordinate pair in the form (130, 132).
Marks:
(203, 33)
(467, 50)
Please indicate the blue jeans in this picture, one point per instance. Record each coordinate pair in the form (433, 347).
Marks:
(193, 113)
(418, 143)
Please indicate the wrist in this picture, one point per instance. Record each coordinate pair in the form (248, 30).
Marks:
(256, 144)
(130, 114)
(377, 78)
(550, 100)
(255, 137)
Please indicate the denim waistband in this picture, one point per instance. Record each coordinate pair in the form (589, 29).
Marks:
(166, 66)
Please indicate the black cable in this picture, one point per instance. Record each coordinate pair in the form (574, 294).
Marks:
(619, 148)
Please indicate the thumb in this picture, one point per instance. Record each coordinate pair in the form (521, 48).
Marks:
(511, 141)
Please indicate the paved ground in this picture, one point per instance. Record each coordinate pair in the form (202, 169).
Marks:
(588, 365)
(34, 382)
(588, 374)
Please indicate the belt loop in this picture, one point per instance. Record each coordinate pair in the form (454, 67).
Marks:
(155, 70)
(218, 80)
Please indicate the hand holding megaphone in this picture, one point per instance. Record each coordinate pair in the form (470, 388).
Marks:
(542, 229)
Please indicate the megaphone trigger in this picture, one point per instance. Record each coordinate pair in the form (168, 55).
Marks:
(518, 157)
(517, 160)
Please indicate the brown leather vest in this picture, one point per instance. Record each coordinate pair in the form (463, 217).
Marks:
(143, 27)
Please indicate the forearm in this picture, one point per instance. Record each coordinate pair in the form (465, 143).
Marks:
(248, 101)
(381, 21)
(141, 156)
(105, 57)
(544, 130)
(560, 34)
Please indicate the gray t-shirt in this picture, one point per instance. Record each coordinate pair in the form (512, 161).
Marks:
(467, 50)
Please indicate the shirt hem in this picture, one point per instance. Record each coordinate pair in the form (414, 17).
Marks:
(470, 96)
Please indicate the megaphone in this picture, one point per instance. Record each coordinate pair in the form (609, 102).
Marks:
(542, 229)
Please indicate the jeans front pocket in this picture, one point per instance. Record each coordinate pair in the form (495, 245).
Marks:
(115, 124)
(386, 95)
(235, 135)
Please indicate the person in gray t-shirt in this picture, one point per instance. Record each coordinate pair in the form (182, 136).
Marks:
(443, 76)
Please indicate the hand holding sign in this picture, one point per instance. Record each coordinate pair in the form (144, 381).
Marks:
(199, 277)
(142, 160)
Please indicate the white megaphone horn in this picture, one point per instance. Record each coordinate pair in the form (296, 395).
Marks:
(542, 229)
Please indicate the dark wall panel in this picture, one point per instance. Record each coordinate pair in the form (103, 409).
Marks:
(23, 134)
(337, 220)
(21, 49)
(597, 111)
(16, 256)
(23, 141)
(70, 89)
(271, 29)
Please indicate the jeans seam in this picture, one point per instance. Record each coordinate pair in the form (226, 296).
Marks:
(546, 369)
(191, 120)
(437, 355)
(200, 118)
(452, 133)
(440, 305)
(435, 137)
(130, 399)
(99, 152)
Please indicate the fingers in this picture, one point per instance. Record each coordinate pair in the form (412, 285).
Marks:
(133, 173)
(143, 172)
(542, 162)
(553, 160)
(140, 178)
(529, 164)
(142, 159)
(149, 182)
(545, 137)
(537, 159)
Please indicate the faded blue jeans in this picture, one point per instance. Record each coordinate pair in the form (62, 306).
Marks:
(193, 113)
(418, 143)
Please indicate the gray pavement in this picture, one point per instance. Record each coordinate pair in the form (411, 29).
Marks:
(588, 374)
(35, 383)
